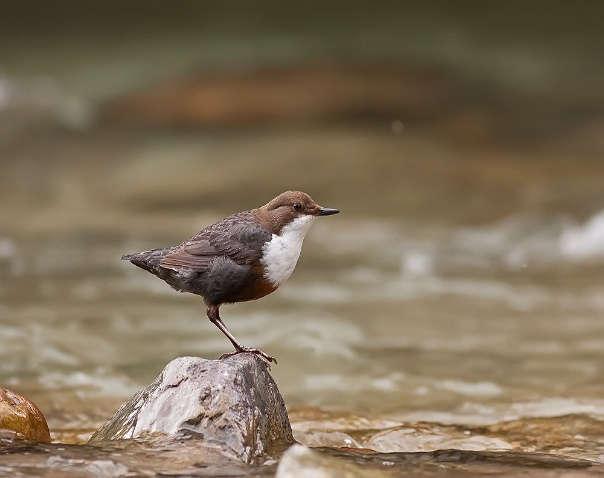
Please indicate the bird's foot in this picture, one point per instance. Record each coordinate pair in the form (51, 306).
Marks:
(260, 353)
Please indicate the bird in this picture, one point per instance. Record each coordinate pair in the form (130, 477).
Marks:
(242, 257)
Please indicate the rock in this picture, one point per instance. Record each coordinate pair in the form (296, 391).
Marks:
(419, 438)
(160, 456)
(22, 416)
(358, 462)
(302, 461)
(232, 404)
(289, 93)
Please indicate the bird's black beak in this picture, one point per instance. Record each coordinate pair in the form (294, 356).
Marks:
(327, 211)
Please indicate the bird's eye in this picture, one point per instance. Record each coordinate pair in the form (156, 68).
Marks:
(297, 206)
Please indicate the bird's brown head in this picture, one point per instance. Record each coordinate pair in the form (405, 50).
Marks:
(292, 206)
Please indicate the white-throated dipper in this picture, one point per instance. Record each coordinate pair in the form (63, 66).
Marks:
(244, 257)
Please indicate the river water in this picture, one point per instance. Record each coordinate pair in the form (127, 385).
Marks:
(457, 302)
(457, 321)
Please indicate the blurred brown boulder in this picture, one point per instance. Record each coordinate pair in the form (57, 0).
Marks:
(20, 415)
(297, 93)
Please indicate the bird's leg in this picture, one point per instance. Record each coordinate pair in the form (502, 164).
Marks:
(214, 316)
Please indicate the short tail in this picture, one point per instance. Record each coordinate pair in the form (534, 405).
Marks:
(148, 260)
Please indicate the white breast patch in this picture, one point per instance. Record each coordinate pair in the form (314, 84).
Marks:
(281, 253)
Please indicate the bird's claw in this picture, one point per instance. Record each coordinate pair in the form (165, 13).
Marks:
(260, 353)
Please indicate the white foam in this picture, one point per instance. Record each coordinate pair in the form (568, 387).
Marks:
(585, 241)
(472, 389)
(7, 248)
(417, 263)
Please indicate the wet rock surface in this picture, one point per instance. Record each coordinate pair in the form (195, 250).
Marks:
(231, 405)
(22, 416)
(349, 462)
(571, 436)
(302, 461)
(159, 456)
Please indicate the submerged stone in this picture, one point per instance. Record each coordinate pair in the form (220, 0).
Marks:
(358, 462)
(232, 405)
(22, 416)
(302, 461)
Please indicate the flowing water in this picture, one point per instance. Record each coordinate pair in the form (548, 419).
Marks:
(460, 323)
(456, 303)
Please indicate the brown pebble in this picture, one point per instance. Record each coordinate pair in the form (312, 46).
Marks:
(22, 416)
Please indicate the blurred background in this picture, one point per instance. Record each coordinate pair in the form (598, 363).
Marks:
(461, 285)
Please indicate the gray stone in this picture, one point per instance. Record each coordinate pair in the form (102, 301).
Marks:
(232, 405)
(300, 461)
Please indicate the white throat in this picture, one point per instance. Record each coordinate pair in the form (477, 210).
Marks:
(281, 253)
